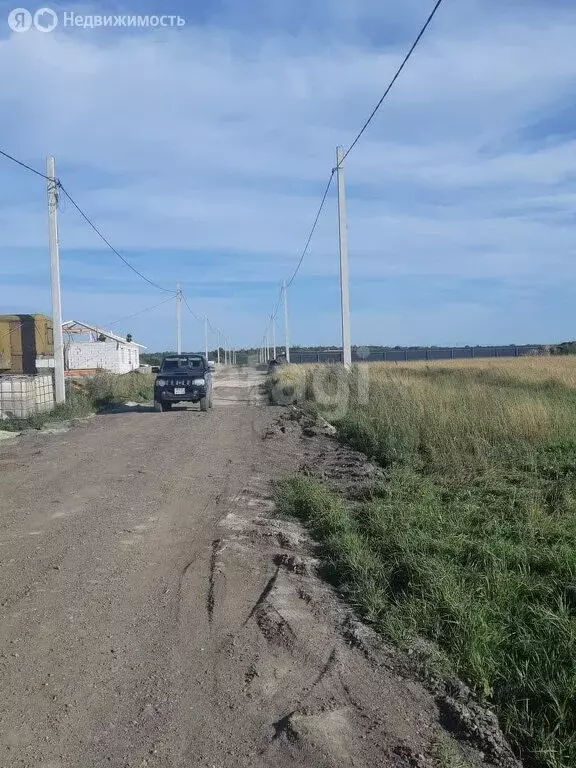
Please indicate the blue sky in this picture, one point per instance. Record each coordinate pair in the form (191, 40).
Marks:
(202, 153)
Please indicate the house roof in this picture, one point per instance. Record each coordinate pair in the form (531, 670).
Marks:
(74, 326)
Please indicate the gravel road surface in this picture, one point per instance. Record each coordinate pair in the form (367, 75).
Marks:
(154, 612)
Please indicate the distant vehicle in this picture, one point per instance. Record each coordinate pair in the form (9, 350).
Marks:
(273, 366)
(211, 365)
(183, 379)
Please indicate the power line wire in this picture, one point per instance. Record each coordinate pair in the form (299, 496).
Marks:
(353, 144)
(141, 312)
(200, 319)
(109, 244)
(87, 219)
(194, 315)
(28, 167)
(305, 249)
(303, 254)
(275, 313)
(396, 76)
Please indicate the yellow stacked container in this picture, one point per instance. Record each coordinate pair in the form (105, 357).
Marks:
(5, 349)
(24, 339)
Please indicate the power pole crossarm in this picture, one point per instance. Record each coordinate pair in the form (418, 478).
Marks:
(59, 383)
(343, 243)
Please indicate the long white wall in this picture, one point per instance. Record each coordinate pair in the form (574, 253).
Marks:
(106, 355)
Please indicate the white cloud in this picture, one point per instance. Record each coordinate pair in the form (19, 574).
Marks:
(216, 139)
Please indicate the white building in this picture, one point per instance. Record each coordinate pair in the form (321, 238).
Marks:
(87, 348)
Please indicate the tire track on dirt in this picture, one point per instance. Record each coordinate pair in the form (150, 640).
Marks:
(186, 625)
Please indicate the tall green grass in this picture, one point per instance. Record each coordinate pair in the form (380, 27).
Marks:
(107, 388)
(471, 540)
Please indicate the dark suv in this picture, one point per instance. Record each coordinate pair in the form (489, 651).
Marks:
(183, 378)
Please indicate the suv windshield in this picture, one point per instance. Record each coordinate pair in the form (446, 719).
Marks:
(189, 363)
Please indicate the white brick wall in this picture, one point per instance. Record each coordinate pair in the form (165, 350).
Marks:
(106, 355)
(22, 396)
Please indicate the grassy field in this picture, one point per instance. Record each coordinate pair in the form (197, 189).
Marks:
(84, 396)
(471, 539)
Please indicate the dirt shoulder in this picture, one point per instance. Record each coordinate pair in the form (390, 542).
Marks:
(156, 612)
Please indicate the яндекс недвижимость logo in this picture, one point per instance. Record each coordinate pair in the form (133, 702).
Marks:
(21, 20)
(46, 19)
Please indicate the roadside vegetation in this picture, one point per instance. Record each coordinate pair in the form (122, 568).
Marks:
(109, 389)
(470, 541)
(88, 395)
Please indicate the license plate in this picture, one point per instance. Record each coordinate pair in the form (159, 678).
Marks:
(179, 391)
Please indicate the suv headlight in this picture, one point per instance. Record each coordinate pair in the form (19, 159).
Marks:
(160, 382)
(199, 382)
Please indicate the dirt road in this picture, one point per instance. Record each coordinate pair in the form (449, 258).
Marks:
(153, 612)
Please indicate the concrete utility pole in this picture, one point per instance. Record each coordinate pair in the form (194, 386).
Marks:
(178, 319)
(286, 337)
(206, 336)
(59, 384)
(218, 350)
(343, 242)
(273, 321)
